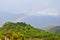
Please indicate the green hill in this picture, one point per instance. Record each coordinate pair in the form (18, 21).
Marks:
(18, 30)
(55, 29)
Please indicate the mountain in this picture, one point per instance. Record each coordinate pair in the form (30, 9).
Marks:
(47, 27)
(42, 21)
(55, 29)
(25, 31)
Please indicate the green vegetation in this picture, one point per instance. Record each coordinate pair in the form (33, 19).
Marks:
(23, 31)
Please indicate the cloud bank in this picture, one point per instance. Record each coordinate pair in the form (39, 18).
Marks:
(44, 12)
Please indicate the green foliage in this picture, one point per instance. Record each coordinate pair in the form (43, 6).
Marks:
(23, 31)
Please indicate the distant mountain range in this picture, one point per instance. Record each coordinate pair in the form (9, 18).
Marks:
(42, 21)
(55, 29)
(36, 21)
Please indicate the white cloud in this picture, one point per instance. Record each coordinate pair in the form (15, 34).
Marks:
(44, 12)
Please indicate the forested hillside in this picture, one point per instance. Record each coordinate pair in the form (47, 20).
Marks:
(23, 31)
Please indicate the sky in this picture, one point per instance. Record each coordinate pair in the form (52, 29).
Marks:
(11, 8)
(22, 6)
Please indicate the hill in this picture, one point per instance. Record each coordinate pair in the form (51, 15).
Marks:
(23, 31)
(55, 29)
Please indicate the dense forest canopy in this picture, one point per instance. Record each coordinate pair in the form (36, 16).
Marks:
(26, 31)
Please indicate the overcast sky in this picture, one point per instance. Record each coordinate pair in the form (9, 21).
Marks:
(22, 6)
(30, 7)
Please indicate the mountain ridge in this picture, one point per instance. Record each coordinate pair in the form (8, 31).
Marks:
(55, 29)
